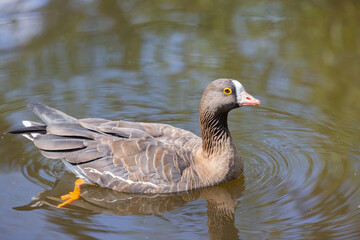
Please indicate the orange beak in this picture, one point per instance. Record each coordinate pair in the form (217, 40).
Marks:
(248, 100)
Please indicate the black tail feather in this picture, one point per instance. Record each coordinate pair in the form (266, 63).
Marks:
(33, 129)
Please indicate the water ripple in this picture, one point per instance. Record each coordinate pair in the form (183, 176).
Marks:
(291, 171)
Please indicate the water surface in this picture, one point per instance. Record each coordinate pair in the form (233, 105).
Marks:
(150, 61)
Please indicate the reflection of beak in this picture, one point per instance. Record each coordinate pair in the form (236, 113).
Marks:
(248, 100)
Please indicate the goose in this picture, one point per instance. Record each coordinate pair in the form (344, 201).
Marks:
(146, 158)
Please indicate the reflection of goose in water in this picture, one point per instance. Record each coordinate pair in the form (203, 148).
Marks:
(221, 203)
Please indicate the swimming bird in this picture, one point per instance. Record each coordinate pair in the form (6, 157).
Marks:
(147, 158)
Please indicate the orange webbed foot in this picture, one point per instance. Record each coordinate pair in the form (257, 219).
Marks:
(72, 196)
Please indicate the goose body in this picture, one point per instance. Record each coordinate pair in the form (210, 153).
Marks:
(142, 157)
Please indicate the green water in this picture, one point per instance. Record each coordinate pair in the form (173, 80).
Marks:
(150, 61)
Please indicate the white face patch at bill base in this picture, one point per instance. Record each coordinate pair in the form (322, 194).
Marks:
(239, 89)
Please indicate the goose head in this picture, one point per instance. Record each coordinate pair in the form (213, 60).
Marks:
(223, 95)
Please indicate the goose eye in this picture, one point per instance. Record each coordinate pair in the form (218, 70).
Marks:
(227, 91)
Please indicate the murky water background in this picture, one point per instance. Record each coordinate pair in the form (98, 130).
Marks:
(150, 61)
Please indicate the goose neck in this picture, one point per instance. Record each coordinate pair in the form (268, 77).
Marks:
(214, 132)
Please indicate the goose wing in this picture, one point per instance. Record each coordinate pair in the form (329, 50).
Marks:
(114, 154)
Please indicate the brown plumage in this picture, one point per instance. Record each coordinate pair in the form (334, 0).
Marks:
(146, 157)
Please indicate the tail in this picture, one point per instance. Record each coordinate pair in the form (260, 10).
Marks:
(31, 130)
(47, 114)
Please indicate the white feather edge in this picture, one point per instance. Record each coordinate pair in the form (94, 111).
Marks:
(29, 136)
(27, 123)
(120, 178)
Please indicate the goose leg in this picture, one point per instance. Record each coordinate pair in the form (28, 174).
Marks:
(72, 196)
